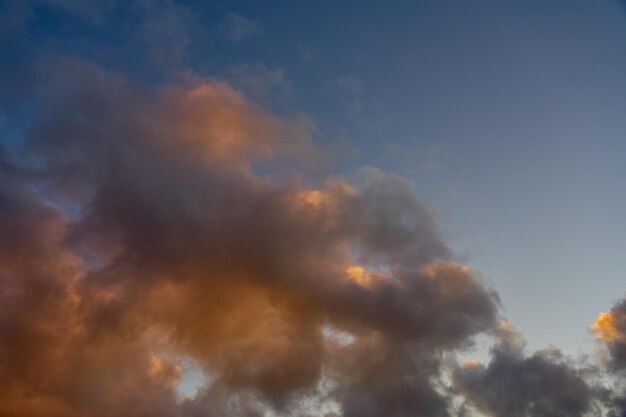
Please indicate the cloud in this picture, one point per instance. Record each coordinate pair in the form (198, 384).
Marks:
(150, 233)
(238, 27)
(146, 228)
(137, 228)
(610, 327)
(50, 350)
(514, 384)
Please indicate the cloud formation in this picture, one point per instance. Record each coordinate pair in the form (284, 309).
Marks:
(515, 384)
(142, 227)
(145, 228)
(150, 226)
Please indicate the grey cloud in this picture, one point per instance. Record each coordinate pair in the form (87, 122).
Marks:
(512, 384)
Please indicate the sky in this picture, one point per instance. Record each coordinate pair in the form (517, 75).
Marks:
(312, 208)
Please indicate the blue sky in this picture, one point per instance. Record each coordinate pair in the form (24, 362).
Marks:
(509, 117)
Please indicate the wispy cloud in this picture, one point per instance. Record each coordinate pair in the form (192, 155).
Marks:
(238, 27)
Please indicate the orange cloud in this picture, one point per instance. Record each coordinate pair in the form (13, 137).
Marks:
(607, 327)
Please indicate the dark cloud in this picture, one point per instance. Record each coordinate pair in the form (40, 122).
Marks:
(540, 385)
(381, 377)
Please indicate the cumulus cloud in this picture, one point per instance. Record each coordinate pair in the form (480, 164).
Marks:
(144, 225)
(146, 228)
(516, 384)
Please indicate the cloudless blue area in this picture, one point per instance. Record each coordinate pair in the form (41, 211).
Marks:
(510, 116)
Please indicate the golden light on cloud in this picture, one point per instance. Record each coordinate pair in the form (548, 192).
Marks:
(325, 199)
(322, 202)
(435, 270)
(359, 275)
(470, 364)
(314, 198)
(606, 327)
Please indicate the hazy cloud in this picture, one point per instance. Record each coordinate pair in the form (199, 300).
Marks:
(238, 27)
